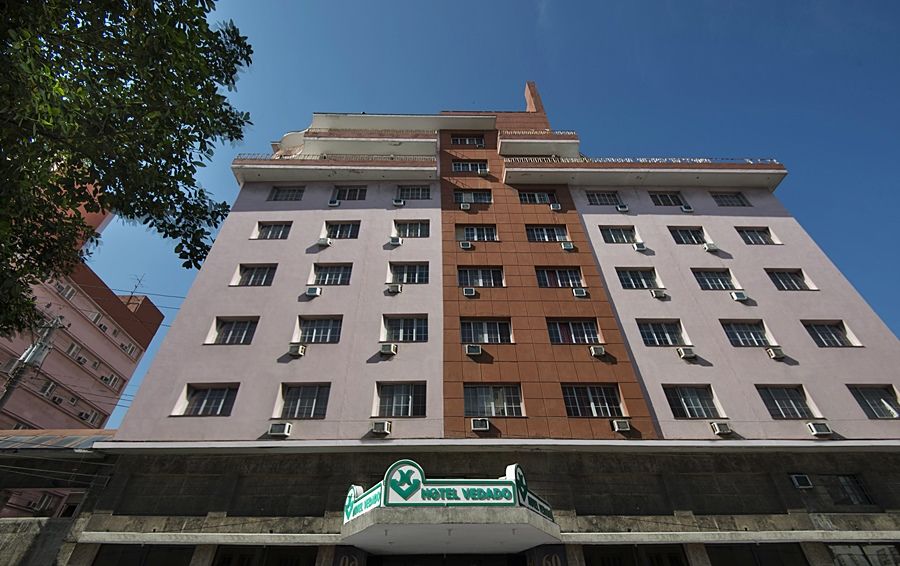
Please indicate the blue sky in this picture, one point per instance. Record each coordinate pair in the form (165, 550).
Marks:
(815, 84)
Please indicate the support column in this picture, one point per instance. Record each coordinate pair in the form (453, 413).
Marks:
(817, 553)
(83, 555)
(696, 554)
(325, 556)
(575, 555)
(203, 555)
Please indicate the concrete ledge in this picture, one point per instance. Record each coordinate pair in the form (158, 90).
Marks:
(687, 537)
(300, 539)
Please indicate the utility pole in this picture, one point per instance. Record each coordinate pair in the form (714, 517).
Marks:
(32, 357)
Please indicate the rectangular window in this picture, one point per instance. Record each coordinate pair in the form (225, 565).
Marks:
(485, 331)
(274, 230)
(477, 197)
(320, 330)
(480, 276)
(573, 331)
(408, 329)
(333, 274)
(409, 273)
(492, 401)
(483, 233)
(349, 193)
(846, 490)
(667, 199)
(828, 335)
(788, 279)
(714, 279)
(746, 334)
(618, 234)
(756, 236)
(470, 166)
(661, 333)
(401, 399)
(413, 229)
(785, 402)
(466, 139)
(644, 278)
(234, 331)
(603, 198)
(286, 193)
(210, 401)
(694, 402)
(559, 277)
(877, 402)
(687, 235)
(730, 199)
(414, 192)
(256, 275)
(546, 233)
(592, 400)
(536, 197)
(305, 401)
(342, 230)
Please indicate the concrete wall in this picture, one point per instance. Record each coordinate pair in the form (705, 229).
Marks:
(31, 542)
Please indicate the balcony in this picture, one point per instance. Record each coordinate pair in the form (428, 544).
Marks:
(380, 142)
(539, 142)
(264, 167)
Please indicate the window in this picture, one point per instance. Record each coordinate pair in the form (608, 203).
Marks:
(687, 235)
(785, 402)
(730, 199)
(21, 426)
(413, 229)
(466, 139)
(643, 278)
(592, 400)
(692, 402)
(756, 236)
(342, 230)
(210, 401)
(877, 402)
(485, 331)
(661, 333)
(401, 399)
(480, 276)
(411, 329)
(333, 274)
(492, 401)
(618, 234)
(320, 330)
(558, 276)
(828, 335)
(47, 388)
(573, 331)
(274, 231)
(234, 331)
(746, 333)
(477, 197)
(66, 291)
(409, 273)
(305, 401)
(531, 197)
(846, 489)
(286, 193)
(484, 233)
(598, 198)
(667, 199)
(414, 192)
(470, 167)
(714, 279)
(349, 193)
(546, 233)
(73, 350)
(256, 275)
(788, 279)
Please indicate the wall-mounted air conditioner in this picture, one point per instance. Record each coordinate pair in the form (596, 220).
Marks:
(381, 428)
(819, 429)
(468, 291)
(686, 353)
(598, 351)
(296, 350)
(280, 430)
(324, 242)
(622, 208)
(396, 241)
(388, 350)
(481, 424)
(313, 291)
(720, 428)
(567, 246)
(621, 425)
(399, 202)
(555, 207)
(580, 292)
(639, 246)
(465, 245)
(473, 349)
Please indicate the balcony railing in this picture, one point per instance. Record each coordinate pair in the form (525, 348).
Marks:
(387, 134)
(539, 133)
(333, 157)
(654, 160)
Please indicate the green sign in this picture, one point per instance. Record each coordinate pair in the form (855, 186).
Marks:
(405, 485)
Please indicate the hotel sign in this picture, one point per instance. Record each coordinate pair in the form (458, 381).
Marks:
(405, 485)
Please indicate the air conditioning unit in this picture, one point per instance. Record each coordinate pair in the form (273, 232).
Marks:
(555, 207)
(81, 360)
(468, 291)
(465, 245)
(473, 349)
(296, 350)
(686, 353)
(399, 202)
(334, 202)
(710, 247)
(567, 246)
(621, 425)
(396, 241)
(84, 416)
(775, 353)
(580, 292)
(281, 430)
(658, 293)
(598, 351)
(313, 291)
(395, 288)
(819, 429)
(801, 481)
(479, 146)
(739, 296)
(465, 206)
(382, 428)
(102, 327)
(56, 399)
(483, 172)
(388, 349)
(622, 208)
(687, 208)
(105, 378)
(325, 242)
(481, 425)
(720, 428)
(639, 246)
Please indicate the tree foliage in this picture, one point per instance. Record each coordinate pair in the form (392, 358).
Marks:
(107, 105)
